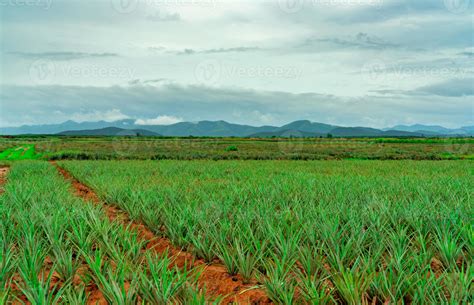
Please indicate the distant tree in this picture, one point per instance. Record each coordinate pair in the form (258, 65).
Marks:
(329, 135)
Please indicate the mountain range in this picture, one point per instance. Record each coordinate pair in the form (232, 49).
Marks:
(302, 128)
(109, 131)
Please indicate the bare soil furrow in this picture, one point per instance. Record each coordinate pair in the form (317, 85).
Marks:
(214, 276)
(3, 177)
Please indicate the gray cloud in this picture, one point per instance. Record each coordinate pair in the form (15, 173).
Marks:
(163, 17)
(422, 44)
(136, 82)
(408, 24)
(455, 88)
(62, 55)
(467, 54)
(369, 11)
(220, 50)
(360, 40)
(157, 49)
(451, 88)
(241, 106)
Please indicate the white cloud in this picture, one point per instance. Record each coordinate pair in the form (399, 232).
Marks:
(159, 120)
(264, 118)
(332, 48)
(108, 116)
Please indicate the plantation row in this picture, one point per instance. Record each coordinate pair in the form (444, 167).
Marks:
(58, 249)
(310, 232)
(142, 148)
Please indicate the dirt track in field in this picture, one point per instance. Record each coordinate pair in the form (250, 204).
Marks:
(214, 277)
(3, 175)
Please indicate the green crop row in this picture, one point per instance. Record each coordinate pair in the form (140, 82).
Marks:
(58, 249)
(317, 232)
(143, 148)
(23, 152)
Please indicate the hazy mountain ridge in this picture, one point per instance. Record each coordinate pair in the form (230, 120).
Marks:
(301, 128)
(433, 129)
(110, 131)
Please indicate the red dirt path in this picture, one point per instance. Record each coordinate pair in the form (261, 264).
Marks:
(3, 174)
(214, 276)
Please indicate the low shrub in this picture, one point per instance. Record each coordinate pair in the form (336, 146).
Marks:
(231, 148)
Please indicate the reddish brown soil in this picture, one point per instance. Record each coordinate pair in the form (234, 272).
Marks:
(3, 174)
(214, 277)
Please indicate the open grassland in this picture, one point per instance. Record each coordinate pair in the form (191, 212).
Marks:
(317, 232)
(58, 249)
(113, 148)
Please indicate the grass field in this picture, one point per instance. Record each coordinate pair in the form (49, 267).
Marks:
(22, 152)
(57, 249)
(328, 231)
(249, 231)
(113, 148)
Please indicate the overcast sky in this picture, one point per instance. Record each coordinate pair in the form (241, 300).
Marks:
(374, 63)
